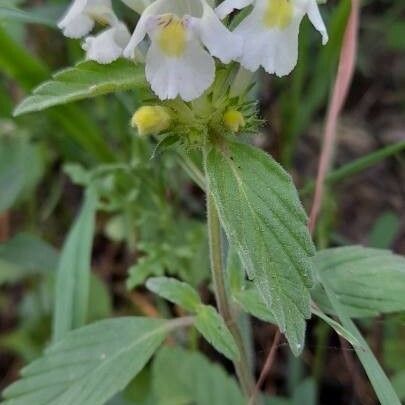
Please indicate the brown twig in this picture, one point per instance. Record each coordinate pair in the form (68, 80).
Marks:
(267, 365)
(340, 90)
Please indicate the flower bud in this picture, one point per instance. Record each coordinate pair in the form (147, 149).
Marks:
(234, 120)
(150, 120)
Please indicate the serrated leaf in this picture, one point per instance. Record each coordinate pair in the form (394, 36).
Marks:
(73, 275)
(89, 365)
(367, 281)
(175, 291)
(265, 222)
(196, 380)
(85, 80)
(212, 326)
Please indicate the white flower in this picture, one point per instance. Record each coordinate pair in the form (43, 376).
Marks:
(270, 31)
(82, 14)
(177, 63)
(108, 45)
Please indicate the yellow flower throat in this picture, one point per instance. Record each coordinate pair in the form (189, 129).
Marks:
(278, 14)
(172, 36)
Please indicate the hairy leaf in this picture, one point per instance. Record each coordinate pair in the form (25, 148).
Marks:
(367, 281)
(175, 291)
(211, 325)
(196, 380)
(85, 80)
(73, 276)
(89, 365)
(265, 222)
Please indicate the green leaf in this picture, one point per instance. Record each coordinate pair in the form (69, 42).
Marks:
(385, 229)
(73, 276)
(20, 168)
(73, 122)
(33, 16)
(338, 328)
(85, 80)
(89, 365)
(380, 382)
(196, 380)
(251, 302)
(265, 222)
(367, 281)
(305, 393)
(175, 291)
(398, 381)
(25, 255)
(212, 326)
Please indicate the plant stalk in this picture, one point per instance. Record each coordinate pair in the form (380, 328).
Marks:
(221, 294)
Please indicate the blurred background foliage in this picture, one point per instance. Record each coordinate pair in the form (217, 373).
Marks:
(151, 216)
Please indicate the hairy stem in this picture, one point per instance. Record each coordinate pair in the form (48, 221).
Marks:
(221, 295)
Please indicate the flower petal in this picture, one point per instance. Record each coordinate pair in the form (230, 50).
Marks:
(273, 48)
(220, 42)
(108, 45)
(143, 26)
(227, 6)
(75, 24)
(316, 19)
(187, 76)
(80, 17)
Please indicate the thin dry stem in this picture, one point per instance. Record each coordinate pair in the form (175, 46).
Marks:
(267, 365)
(340, 90)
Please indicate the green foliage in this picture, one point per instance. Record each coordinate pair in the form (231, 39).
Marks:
(181, 251)
(17, 63)
(175, 291)
(21, 167)
(208, 322)
(25, 255)
(86, 79)
(384, 230)
(382, 386)
(265, 222)
(399, 384)
(196, 380)
(377, 280)
(89, 365)
(249, 299)
(212, 326)
(73, 276)
(38, 15)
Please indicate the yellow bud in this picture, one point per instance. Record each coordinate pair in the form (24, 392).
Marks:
(150, 120)
(234, 120)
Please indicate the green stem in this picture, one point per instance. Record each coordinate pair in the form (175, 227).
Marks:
(192, 170)
(221, 295)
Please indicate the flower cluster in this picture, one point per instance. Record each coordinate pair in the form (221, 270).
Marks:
(178, 40)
